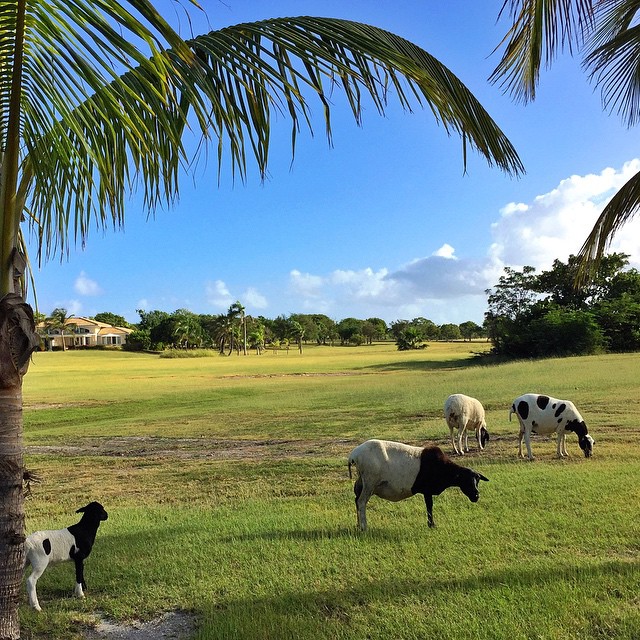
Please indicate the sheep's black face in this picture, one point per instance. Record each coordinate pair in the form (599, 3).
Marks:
(94, 510)
(484, 436)
(469, 481)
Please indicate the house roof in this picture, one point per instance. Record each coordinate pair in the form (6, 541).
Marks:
(103, 328)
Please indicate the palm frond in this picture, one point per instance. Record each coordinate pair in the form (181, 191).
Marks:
(624, 205)
(96, 137)
(539, 30)
(613, 57)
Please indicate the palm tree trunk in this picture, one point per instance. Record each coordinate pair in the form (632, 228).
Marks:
(18, 340)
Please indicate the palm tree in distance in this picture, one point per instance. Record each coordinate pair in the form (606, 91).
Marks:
(606, 33)
(94, 101)
(58, 321)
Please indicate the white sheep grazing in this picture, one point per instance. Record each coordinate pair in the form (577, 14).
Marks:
(544, 415)
(73, 543)
(465, 414)
(395, 471)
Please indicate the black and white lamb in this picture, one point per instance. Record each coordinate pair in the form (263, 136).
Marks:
(395, 471)
(73, 543)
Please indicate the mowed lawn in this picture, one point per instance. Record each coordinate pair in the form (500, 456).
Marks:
(226, 483)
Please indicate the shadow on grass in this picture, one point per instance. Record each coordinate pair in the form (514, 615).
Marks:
(478, 360)
(320, 611)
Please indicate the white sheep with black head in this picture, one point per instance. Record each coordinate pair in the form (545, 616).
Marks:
(395, 471)
(544, 415)
(73, 543)
(465, 414)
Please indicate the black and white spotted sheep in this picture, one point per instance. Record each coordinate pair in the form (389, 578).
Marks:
(544, 415)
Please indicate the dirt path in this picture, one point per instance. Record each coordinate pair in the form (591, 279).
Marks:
(193, 448)
(176, 625)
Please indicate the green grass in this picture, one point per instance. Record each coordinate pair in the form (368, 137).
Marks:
(226, 484)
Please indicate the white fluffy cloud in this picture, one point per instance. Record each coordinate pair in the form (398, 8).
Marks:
(219, 296)
(84, 286)
(554, 225)
(449, 288)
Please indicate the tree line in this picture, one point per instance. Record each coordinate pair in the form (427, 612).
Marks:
(539, 315)
(237, 332)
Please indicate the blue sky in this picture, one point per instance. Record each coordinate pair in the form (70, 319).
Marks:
(385, 223)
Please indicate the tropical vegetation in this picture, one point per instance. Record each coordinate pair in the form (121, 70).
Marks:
(605, 34)
(540, 315)
(95, 99)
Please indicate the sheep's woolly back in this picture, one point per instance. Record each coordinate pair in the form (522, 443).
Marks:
(460, 410)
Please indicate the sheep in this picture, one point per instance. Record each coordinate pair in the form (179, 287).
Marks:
(73, 543)
(540, 414)
(464, 414)
(395, 471)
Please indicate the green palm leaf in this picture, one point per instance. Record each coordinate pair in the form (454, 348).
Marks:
(540, 29)
(91, 136)
(614, 57)
(624, 205)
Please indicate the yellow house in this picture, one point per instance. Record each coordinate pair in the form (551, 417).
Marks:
(84, 332)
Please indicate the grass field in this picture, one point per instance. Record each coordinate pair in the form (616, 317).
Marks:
(228, 494)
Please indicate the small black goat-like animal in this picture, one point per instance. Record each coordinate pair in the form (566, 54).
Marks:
(73, 543)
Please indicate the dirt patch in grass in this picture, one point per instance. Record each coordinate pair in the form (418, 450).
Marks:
(194, 448)
(175, 625)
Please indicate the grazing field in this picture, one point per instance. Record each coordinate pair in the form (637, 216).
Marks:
(228, 495)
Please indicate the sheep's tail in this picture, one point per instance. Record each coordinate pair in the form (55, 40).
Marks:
(513, 410)
(351, 461)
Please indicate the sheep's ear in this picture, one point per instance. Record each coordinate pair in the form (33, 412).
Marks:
(81, 510)
(482, 477)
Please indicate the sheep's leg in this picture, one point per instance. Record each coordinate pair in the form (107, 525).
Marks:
(520, 436)
(466, 440)
(428, 500)
(527, 441)
(453, 440)
(80, 583)
(362, 497)
(38, 567)
(561, 448)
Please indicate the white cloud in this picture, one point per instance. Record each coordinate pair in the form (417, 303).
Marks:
(445, 251)
(554, 225)
(305, 284)
(218, 294)
(447, 288)
(254, 299)
(85, 286)
(73, 307)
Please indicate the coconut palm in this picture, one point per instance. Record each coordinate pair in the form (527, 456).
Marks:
(59, 321)
(607, 35)
(94, 100)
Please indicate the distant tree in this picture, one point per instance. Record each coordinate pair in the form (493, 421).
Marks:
(309, 327)
(428, 329)
(348, 328)
(296, 332)
(409, 337)
(559, 320)
(470, 330)
(450, 332)
(237, 314)
(138, 340)
(326, 328)
(256, 338)
(111, 318)
(59, 321)
(187, 330)
(375, 329)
